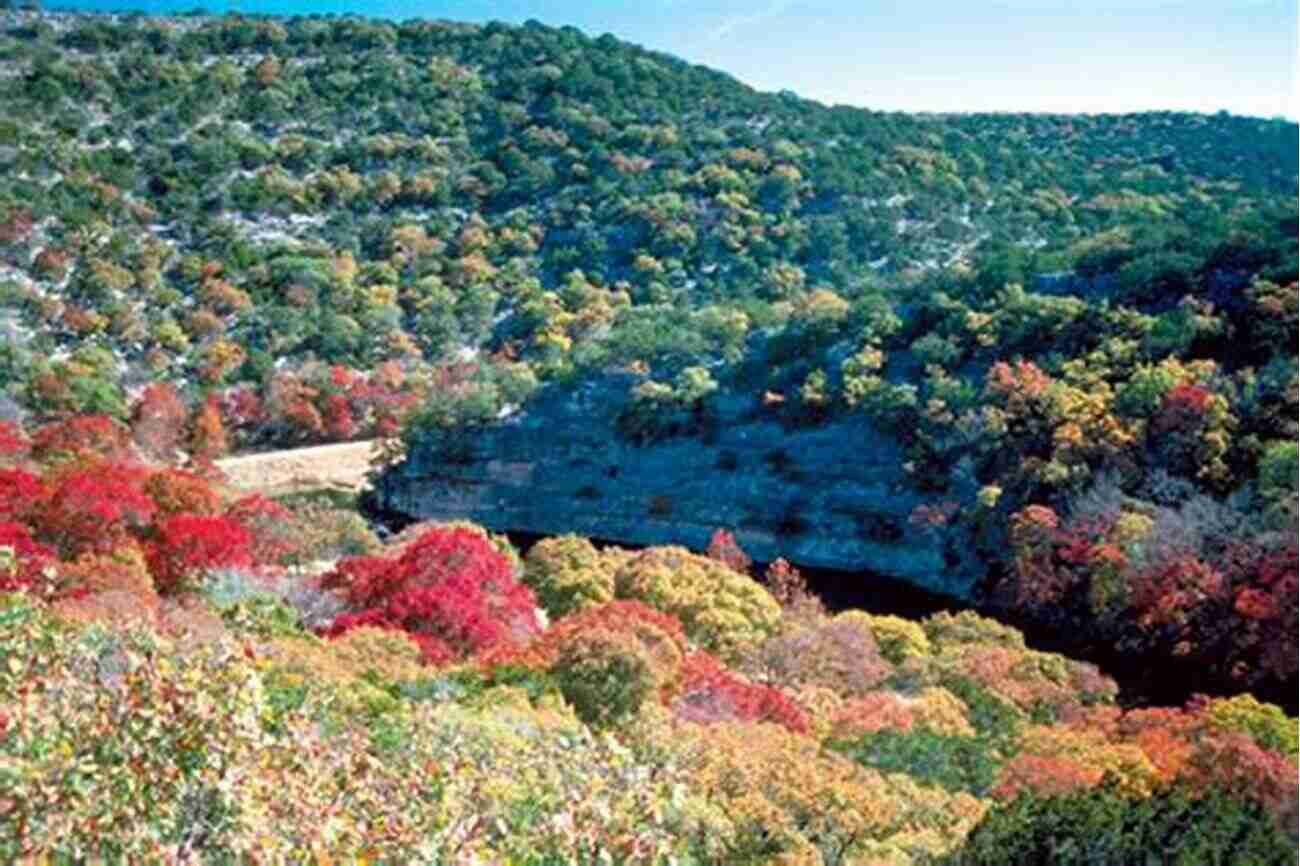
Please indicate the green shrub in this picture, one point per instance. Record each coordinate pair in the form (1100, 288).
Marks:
(1264, 723)
(992, 717)
(1101, 827)
(899, 639)
(969, 627)
(955, 763)
(604, 675)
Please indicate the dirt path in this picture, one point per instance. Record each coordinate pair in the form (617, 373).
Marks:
(341, 466)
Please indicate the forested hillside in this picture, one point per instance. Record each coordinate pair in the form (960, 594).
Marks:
(1080, 330)
(204, 197)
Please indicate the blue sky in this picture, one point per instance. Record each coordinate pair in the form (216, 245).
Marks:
(923, 55)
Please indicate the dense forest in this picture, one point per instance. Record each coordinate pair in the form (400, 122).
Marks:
(239, 233)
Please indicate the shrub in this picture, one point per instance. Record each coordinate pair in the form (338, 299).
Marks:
(158, 421)
(722, 611)
(724, 549)
(1266, 724)
(1105, 827)
(81, 437)
(186, 546)
(114, 586)
(786, 798)
(133, 750)
(21, 493)
(709, 693)
(317, 532)
(838, 653)
(451, 589)
(25, 564)
(969, 627)
(272, 531)
(155, 746)
(175, 491)
(95, 507)
(899, 639)
(956, 763)
(605, 675)
(569, 574)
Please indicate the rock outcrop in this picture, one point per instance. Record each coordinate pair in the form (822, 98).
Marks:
(830, 497)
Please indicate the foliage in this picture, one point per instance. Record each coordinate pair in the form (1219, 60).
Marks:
(721, 610)
(306, 231)
(1106, 826)
(188, 544)
(451, 589)
(569, 574)
(604, 675)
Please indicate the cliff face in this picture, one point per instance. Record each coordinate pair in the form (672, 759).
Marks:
(831, 497)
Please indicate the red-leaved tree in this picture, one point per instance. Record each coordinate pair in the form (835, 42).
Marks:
(187, 544)
(708, 693)
(450, 589)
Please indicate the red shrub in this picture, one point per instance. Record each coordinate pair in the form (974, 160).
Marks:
(724, 549)
(94, 507)
(158, 421)
(241, 407)
(1045, 776)
(710, 693)
(184, 544)
(449, 584)
(870, 713)
(1172, 590)
(13, 443)
(82, 436)
(20, 494)
(339, 423)
(1183, 408)
(1233, 763)
(24, 563)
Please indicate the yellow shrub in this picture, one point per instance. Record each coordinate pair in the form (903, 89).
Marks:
(899, 639)
(942, 712)
(569, 574)
(783, 793)
(722, 611)
(1266, 724)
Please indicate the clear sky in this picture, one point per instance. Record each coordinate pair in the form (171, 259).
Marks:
(922, 55)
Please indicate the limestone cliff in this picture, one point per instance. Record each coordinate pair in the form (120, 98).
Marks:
(832, 497)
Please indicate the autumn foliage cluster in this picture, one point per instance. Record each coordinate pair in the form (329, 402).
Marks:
(74, 498)
(657, 703)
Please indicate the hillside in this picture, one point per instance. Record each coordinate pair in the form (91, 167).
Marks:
(1066, 333)
(204, 197)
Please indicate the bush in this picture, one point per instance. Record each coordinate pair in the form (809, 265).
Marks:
(451, 589)
(838, 653)
(899, 639)
(709, 693)
(1103, 827)
(969, 627)
(605, 675)
(722, 611)
(1266, 724)
(569, 574)
(956, 763)
(189, 545)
